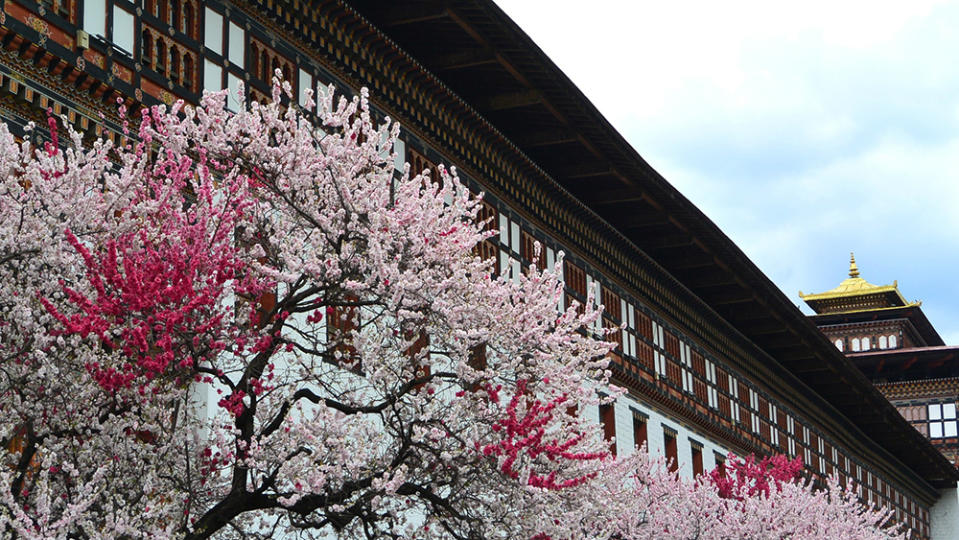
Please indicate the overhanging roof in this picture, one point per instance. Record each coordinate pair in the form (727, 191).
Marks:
(489, 62)
(930, 337)
(914, 363)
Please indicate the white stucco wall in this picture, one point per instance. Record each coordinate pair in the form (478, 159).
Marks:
(655, 436)
(944, 516)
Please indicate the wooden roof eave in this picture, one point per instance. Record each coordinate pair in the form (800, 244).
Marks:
(719, 255)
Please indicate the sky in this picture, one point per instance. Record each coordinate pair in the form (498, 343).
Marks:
(804, 131)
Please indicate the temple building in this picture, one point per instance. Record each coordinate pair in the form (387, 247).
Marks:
(714, 357)
(897, 348)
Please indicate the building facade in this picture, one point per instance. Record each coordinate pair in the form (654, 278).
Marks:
(714, 357)
(897, 348)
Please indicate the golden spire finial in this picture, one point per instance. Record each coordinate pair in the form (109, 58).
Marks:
(853, 269)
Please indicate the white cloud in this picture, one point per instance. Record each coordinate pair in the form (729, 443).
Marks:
(804, 130)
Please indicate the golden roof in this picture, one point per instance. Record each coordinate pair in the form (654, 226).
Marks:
(856, 294)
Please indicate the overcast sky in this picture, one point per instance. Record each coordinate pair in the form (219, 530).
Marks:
(805, 131)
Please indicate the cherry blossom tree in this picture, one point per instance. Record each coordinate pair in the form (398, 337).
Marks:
(249, 325)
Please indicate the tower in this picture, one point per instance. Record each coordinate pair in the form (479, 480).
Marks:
(893, 343)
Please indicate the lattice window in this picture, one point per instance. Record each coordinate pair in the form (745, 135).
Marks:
(629, 338)
(607, 417)
(615, 335)
(486, 215)
(640, 433)
(168, 58)
(696, 451)
(754, 406)
(62, 8)
(686, 362)
(528, 250)
(646, 355)
(613, 308)
(669, 448)
(644, 325)
(942, 420)
(575, 278)
(265, 63)
(189, 19)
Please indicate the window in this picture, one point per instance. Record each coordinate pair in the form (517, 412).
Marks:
(942, 420)
(883, 344)
(791, 428)
(734, 391)
(174, 64)
(660, 360)
(123, 29)
(697, 452)
(866, 344)
(639, 429)
(95, 17)
(234, 100)
(754, 405)
(713, 394)
(305, 81)
(60, 7)
(720, 463)
(146, 48)
(855, 344)
(774, 433)
(188, 17)
(593, 293)
(687, 374)
(669, 445)
(575, 277)
(839, 344)
(212, 76)
(188, 71)
(509, 232)
(237, 44)
(213, 31)
(264, 67)
(892, 342)
(487, 216)
(822, 460)
(607, 417)
(161, 56)
(174, 19)
(629, 339)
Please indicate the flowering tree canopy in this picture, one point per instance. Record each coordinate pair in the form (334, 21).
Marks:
(249, 325)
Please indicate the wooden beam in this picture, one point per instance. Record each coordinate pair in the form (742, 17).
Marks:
(409, 13)
(683, 261)
(745, 314)
(767, 328)
(53, 64)
(616, 196)
(703, 280)
(668, 241)
(590, 169)
(548, 137)
(38, 56)
(462, 59)
(511, 100)
(642, 220)
(727, 297)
